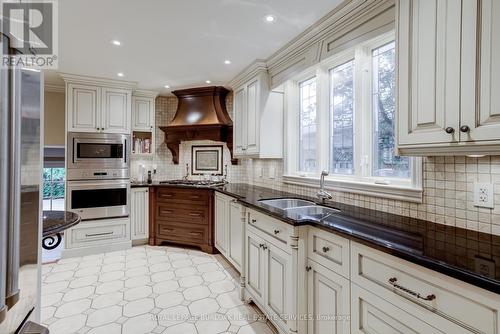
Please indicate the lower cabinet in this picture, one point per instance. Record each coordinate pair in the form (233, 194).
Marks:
(328, 301)
(230, 229)
(139, 214)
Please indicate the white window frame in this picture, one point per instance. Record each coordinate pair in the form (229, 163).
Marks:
(362, 182)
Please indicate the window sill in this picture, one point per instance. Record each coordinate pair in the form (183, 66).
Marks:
(396, 192)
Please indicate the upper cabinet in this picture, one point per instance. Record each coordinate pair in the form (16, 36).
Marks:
(143, 111)
(449, 65)
(98, 105)
(258, 116)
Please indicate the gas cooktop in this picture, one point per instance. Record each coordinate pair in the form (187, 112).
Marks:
(199, 183)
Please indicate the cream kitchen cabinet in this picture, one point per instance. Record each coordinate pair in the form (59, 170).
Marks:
(328, 301)
(271, 273)
(98, 105)
(143, 111)
(448, 71)
(230, 229)
(258, 119)
(139, 214)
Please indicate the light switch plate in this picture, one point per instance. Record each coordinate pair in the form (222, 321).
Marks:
(483, 195)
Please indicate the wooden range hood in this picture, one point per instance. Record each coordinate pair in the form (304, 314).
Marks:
(201, 115)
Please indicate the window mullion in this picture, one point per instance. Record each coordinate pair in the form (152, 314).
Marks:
(323, 119)
(360, 129)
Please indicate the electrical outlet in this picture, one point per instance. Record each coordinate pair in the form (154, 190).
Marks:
(483, 195)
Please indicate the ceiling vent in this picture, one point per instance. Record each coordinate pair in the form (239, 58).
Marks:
(201, 115)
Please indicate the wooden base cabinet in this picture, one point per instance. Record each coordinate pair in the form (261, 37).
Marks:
(183, 216)
(328, 301)
(230, 229)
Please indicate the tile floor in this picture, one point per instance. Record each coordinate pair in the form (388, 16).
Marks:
(146, 289)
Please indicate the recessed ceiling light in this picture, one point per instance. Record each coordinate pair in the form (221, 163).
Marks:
(120, 74)
(270, 18)
(208, 81)
(116, 42)
(167, 86)
(227, 62)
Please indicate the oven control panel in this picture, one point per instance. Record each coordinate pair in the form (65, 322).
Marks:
(97, 174)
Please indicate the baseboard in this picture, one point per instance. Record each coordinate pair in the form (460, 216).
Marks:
(98, 249)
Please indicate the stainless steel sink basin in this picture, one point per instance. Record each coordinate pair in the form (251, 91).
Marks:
(286, 203)
(313, 210)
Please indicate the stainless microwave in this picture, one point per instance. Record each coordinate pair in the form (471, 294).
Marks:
(98, 150)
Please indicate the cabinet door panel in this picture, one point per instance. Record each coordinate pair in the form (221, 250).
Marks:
(481, 46)
(429, 70)
(143, 110)
(278, 282)
(83, 108)
(236, 237)
(116, 110)
(253, 117)
(328, 301)
(255, 266)
(221, 224)
(139, 214)
(240, 122)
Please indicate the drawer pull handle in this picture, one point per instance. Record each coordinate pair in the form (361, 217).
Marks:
(263, 246)
(326, 249)
(308, 268)
(254, 221)
(166, 195)
(98, 234)
(194, 196)
(195, 233)
(167, 211)
(393, 280)
(276, 231)
(195, 215)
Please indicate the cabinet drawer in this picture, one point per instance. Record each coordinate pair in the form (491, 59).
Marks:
(91, 233)
(189, 215)
(329, 249)
(271, 227)
(175, 233)
(183, 196)
(423, 292)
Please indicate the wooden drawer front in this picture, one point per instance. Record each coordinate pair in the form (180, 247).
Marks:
(190, 235)
(271, 227)
(191, 215)
(99, 232)
(330, 250)
(458, 302)
(373, 315)
(183, 196)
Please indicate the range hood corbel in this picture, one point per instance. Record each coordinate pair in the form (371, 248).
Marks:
(201, 115)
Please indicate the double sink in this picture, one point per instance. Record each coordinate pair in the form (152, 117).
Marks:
(294, 207)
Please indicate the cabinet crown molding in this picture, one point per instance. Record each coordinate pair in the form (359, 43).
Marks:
(145, 93)
(252, 70)
(54, 88)
(89, 80)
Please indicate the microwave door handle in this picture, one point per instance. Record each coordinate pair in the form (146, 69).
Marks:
(12, 291)
(4, 187)
(125, 150)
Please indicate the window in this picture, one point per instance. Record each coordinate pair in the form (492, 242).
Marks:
(53, 189)
(343, 112)
(307, 131)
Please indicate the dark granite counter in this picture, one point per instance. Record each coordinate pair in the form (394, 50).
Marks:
(57, 221)
(467, 255)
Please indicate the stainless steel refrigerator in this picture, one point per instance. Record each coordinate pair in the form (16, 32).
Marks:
(21, 128)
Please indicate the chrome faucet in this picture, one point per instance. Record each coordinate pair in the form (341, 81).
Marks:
(322, 194)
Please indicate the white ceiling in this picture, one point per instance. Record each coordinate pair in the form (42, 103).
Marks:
(181, 43)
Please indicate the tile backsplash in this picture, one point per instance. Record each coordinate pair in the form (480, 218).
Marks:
(448, 181)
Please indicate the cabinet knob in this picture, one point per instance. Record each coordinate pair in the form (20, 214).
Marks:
(326, 249)
(276, 231)
(254, 221)
(449, 130)
(464, 128)
(308, 268)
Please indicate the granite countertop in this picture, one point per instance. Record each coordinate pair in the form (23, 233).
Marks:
(57, 221)
(467, 255)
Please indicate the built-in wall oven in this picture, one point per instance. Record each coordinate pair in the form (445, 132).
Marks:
(99, 199)
(98, 185)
